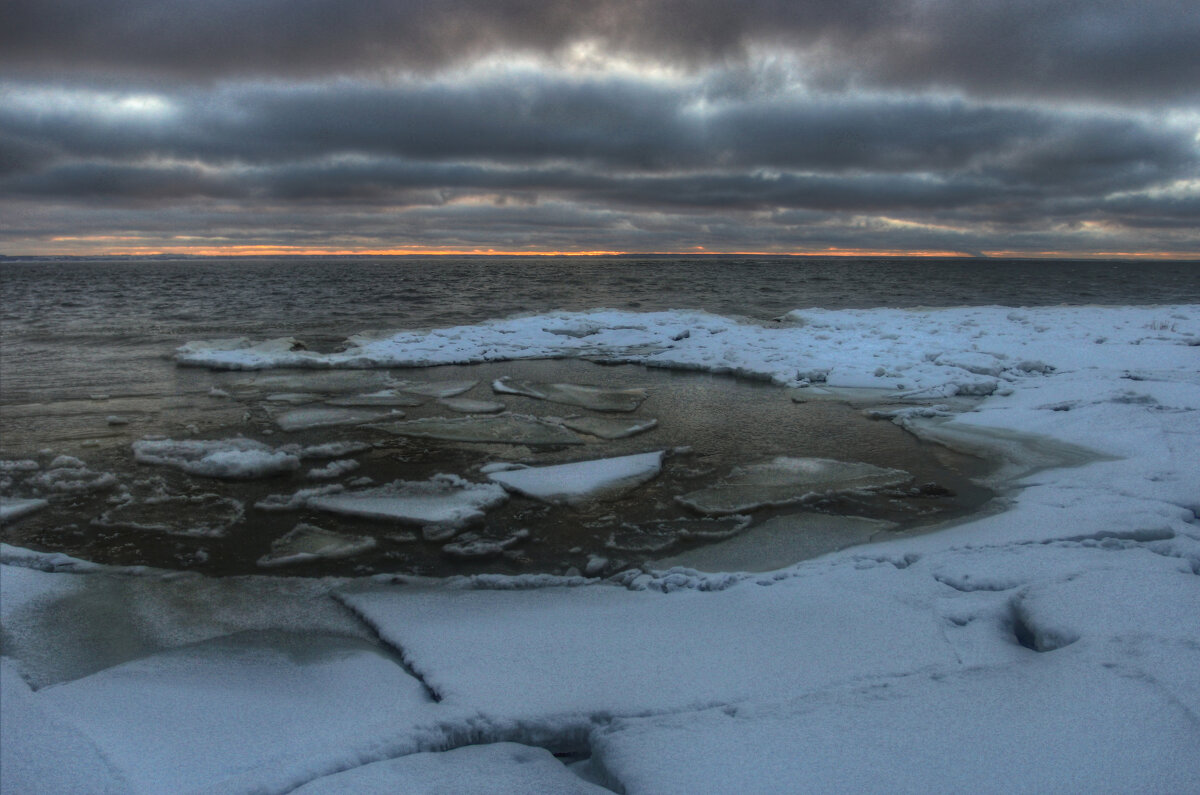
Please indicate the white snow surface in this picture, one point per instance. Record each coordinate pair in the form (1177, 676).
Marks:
(582, 480)
(1048, 647)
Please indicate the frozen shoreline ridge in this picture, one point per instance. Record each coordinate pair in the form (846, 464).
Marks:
(1053, 646)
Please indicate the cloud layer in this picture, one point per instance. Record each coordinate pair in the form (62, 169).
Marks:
(908, 126)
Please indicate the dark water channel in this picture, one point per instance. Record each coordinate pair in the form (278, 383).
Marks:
(708, 423)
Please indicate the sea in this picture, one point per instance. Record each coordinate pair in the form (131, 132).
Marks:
(86, 368)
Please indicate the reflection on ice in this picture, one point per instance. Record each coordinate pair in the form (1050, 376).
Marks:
(505, 429)
(588, 397)
(584, 480)
(306, 543)
(785, 480)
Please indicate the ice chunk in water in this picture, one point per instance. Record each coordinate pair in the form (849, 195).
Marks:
(323, 382)
(384, 397)
(302, 419)
(73, 479)
(470, 546)
(468, 406)
(584, 480)
(332, 449)
(785, 480)
(293, 398)
(440, 389)
(297, 500)
(207, 515)
(306, 543)
(445, 500)
(20, 465)
(506, 429)
(217, 458)
(588, 397)
(334, 469)
(609, 427)
(13, 508)
(661, 535)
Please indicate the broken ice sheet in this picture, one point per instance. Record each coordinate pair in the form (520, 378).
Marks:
(439, 389)
(306, 543)
(445, 500)
(610, 427)
(506, 429)
(783, 480)
(302, 419)
(588, 397)
(324, 382)
(583, 480)
(472, 546)
(233, 459)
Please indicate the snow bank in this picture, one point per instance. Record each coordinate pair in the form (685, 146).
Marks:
(234, 459)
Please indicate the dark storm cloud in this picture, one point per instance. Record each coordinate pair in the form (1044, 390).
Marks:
(615, 125)
(1139, 52)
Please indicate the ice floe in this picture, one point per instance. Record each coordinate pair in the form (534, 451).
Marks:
(504, 429)
(445, 502)
(588, 397)
(13, 508)
(468, 406)
(234, 459)
(305, 543)
(439, 389)
(610, 427)
(383, 397)
(583, 480)
(330, 449)
(334, 469)
(207, 515)
(472, 546)
(304, 419)
(657, 536)
(784, 480)
(71, 478)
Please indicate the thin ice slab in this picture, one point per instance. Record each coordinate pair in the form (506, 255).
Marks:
(201, 515)
(383, 397)
(303, 419)
(494, 768)
(583, 480)
(306, 543)
(445, 500)
(323, 382)
(13, 508)
(440, 389)
(469, 406)
(588, 397)
(610, 427)
(504, 429)
(783, 480)
(197, 715)
(233, 459)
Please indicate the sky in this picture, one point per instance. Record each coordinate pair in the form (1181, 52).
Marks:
(978, 127)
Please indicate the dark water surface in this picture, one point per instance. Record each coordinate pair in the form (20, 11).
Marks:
(83, 341)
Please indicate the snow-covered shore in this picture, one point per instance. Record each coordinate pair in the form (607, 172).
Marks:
(1052, 646)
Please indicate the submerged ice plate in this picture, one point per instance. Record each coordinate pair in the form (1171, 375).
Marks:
(445, 500)
(588, 397)
(785, 480)
(505, 429)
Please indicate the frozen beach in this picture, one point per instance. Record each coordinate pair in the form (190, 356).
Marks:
(1048, 643)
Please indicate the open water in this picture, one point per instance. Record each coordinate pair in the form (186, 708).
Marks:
(81, 341)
